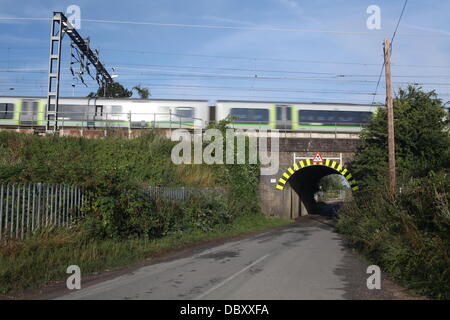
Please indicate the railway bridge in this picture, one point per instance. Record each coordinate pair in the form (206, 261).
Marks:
(290, 192)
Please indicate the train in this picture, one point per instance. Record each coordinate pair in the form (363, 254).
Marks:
(100, 112)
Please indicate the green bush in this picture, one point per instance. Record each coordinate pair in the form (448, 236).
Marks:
(406, 233)
(130, 213)
(409, 236)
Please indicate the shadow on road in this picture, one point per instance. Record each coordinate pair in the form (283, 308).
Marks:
(328, 209)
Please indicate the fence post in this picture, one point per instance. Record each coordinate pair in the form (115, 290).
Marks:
(23, 210)
(55, 205)
(47, 214)
(38, 218)
(33, 212)
(69, 204)
(60, 207)
(72, 204)
(63, 207)
(52, 197)
(18, 211)
(12, 209)
(80, 201)
(75, 203)
(28, 208)
(66, 204)
(1, 211)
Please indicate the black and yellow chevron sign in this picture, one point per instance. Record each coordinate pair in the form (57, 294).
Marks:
(308, 163)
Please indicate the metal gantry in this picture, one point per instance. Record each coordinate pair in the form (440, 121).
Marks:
(59, 27)
(54, 73)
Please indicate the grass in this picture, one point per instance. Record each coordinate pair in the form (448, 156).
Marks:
(45, 257)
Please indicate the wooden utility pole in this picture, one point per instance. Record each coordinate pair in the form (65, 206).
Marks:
(390, 116)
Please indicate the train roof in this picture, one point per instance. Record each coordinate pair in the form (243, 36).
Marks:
(103, 98)
(209, 101)
(303, 102)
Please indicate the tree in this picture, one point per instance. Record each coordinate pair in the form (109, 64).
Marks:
(114, 90)
(144, 93)
(421, 137)
(332, 182)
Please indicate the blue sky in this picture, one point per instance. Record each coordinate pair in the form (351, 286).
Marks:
(185, 62)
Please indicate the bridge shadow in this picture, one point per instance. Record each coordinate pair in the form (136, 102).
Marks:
(328, 209)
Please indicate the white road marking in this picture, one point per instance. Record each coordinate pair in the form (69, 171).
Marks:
(217, 286)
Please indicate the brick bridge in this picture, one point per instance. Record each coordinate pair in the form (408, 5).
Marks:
(297, 197)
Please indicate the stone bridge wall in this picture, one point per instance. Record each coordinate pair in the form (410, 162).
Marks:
(286, 203)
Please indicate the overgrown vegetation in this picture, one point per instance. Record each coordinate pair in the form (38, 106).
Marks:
(96, 162)
(119, 216)
(407, 235)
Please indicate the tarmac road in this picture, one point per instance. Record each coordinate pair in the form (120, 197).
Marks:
(305, 260)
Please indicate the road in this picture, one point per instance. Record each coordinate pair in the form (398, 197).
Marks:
(305, 260)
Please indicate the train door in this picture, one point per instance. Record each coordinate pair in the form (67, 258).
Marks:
(283, 117)
(99, 112)
(28, 115)
(97, 116)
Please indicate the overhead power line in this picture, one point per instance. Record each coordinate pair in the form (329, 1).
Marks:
(276, 29)
(392, 40)
(398, 22)
(168, 73)
(248, 58)
(218, 27)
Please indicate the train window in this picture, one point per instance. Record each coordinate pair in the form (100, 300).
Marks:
(334, 117)
(185, 112)
(72, 112)
(116, 110)
(244, 115)
(6, 110)
(212, 113)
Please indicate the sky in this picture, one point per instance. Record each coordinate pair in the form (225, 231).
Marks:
(276, 50)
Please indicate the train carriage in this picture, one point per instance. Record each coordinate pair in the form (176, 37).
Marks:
(189, 114)
(296, 116)
(105, 113)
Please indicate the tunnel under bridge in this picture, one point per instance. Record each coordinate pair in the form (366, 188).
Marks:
(304, 177)
(290, 192)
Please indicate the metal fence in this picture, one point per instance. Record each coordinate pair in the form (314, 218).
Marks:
(179, 194)
(27, 207)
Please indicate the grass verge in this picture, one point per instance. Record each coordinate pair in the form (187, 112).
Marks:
(45, 257)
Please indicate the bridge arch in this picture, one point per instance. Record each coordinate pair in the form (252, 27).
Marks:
(304, 175)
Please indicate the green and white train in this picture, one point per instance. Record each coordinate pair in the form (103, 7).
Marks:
(168, 113)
